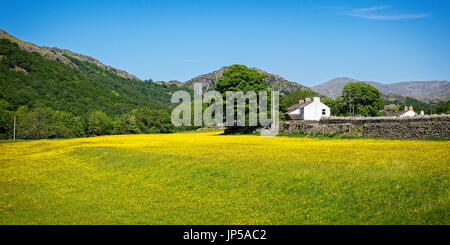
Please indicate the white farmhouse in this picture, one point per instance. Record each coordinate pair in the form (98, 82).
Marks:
(308, 110)
(407, 112)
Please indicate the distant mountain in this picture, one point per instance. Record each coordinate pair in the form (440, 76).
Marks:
(421, 90)
(60, 55)
(275, 82)
(332, 89)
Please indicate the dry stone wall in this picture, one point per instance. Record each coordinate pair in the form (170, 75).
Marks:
(387, 127)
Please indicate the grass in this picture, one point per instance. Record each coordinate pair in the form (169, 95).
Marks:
(208, 178)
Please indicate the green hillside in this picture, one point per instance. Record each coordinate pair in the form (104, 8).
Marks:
(35, 89)
(427, 107)
(404, 100)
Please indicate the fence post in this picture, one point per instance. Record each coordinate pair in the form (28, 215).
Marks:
(14, 135)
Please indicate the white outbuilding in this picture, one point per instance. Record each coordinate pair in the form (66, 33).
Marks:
(308, 110)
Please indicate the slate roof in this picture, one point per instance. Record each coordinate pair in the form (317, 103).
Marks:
(297, 106)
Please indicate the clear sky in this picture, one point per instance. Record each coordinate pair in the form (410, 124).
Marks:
(308, 42)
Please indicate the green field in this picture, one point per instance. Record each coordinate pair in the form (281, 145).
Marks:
(208, 178)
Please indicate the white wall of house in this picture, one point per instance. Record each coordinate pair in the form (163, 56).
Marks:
(313, 111)
(316, 110)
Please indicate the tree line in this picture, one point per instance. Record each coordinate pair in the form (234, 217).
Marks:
(43, 122)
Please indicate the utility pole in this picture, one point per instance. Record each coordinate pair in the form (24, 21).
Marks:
(14, 135)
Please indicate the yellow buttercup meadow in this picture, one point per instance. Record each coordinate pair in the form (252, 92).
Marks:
(209, 178)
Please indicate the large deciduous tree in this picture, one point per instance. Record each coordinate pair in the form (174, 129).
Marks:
(241, 78)
(361, 99)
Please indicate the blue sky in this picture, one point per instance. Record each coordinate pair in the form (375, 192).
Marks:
(308, 42)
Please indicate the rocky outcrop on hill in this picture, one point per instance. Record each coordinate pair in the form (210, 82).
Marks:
(275, 82)
(176, 82)
(208, 80)
(60, 55)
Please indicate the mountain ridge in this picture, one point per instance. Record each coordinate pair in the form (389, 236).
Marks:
(30, 79)
(60, 55)
(429, 91)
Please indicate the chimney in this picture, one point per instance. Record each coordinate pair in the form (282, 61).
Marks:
(307, 100)
(316, 99)
(406, 108)
(411, 108)
(301, 101)
(422, 113)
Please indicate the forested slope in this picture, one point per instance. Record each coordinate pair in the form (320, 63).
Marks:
(94, 101)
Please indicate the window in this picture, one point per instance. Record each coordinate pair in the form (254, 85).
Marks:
(324, 111)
